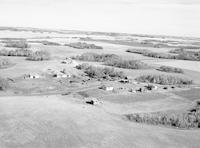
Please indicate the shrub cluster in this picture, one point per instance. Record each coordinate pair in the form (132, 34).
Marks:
(17, 44)
(177, 51)
(34, 56)
(184, 54)
(16, 52)
(83, 45)
(3, 84)
(170, 69)
(127, 64)
(164, 80)
(39, 56)
(189, 55)
(188, 119)
(83, 66)
(181, 54)
(152, 54)
(159, 55)
(138, 51)
(44, 42)
(101, 72)
(112, 60)
(95, 57)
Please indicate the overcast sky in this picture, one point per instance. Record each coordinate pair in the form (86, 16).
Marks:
(168, 17)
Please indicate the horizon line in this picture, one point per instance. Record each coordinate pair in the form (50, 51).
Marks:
(95, 31)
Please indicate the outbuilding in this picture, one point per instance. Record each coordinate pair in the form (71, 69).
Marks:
(107, 88)
(32, 76)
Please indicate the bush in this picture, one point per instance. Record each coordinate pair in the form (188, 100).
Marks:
(83, 45)
(170, 69)
(4, 63)
(127, 64)
(112, 60)
(34, 56)
(44, 42)
(159, 55)
(3, 84)
(152, 54)
(39, 56)
(181, 54)
(17, 44)
(185, 54)
(50, 43)
(189, 55)
(164, 80)
(188, 119)
(96, 57)
(138, 51)
(17, 52)
(177, 51)
(101, 72)
(83, 66)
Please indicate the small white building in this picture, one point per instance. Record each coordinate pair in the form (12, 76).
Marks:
(107, 88)
(61, 75)
(67, 61)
